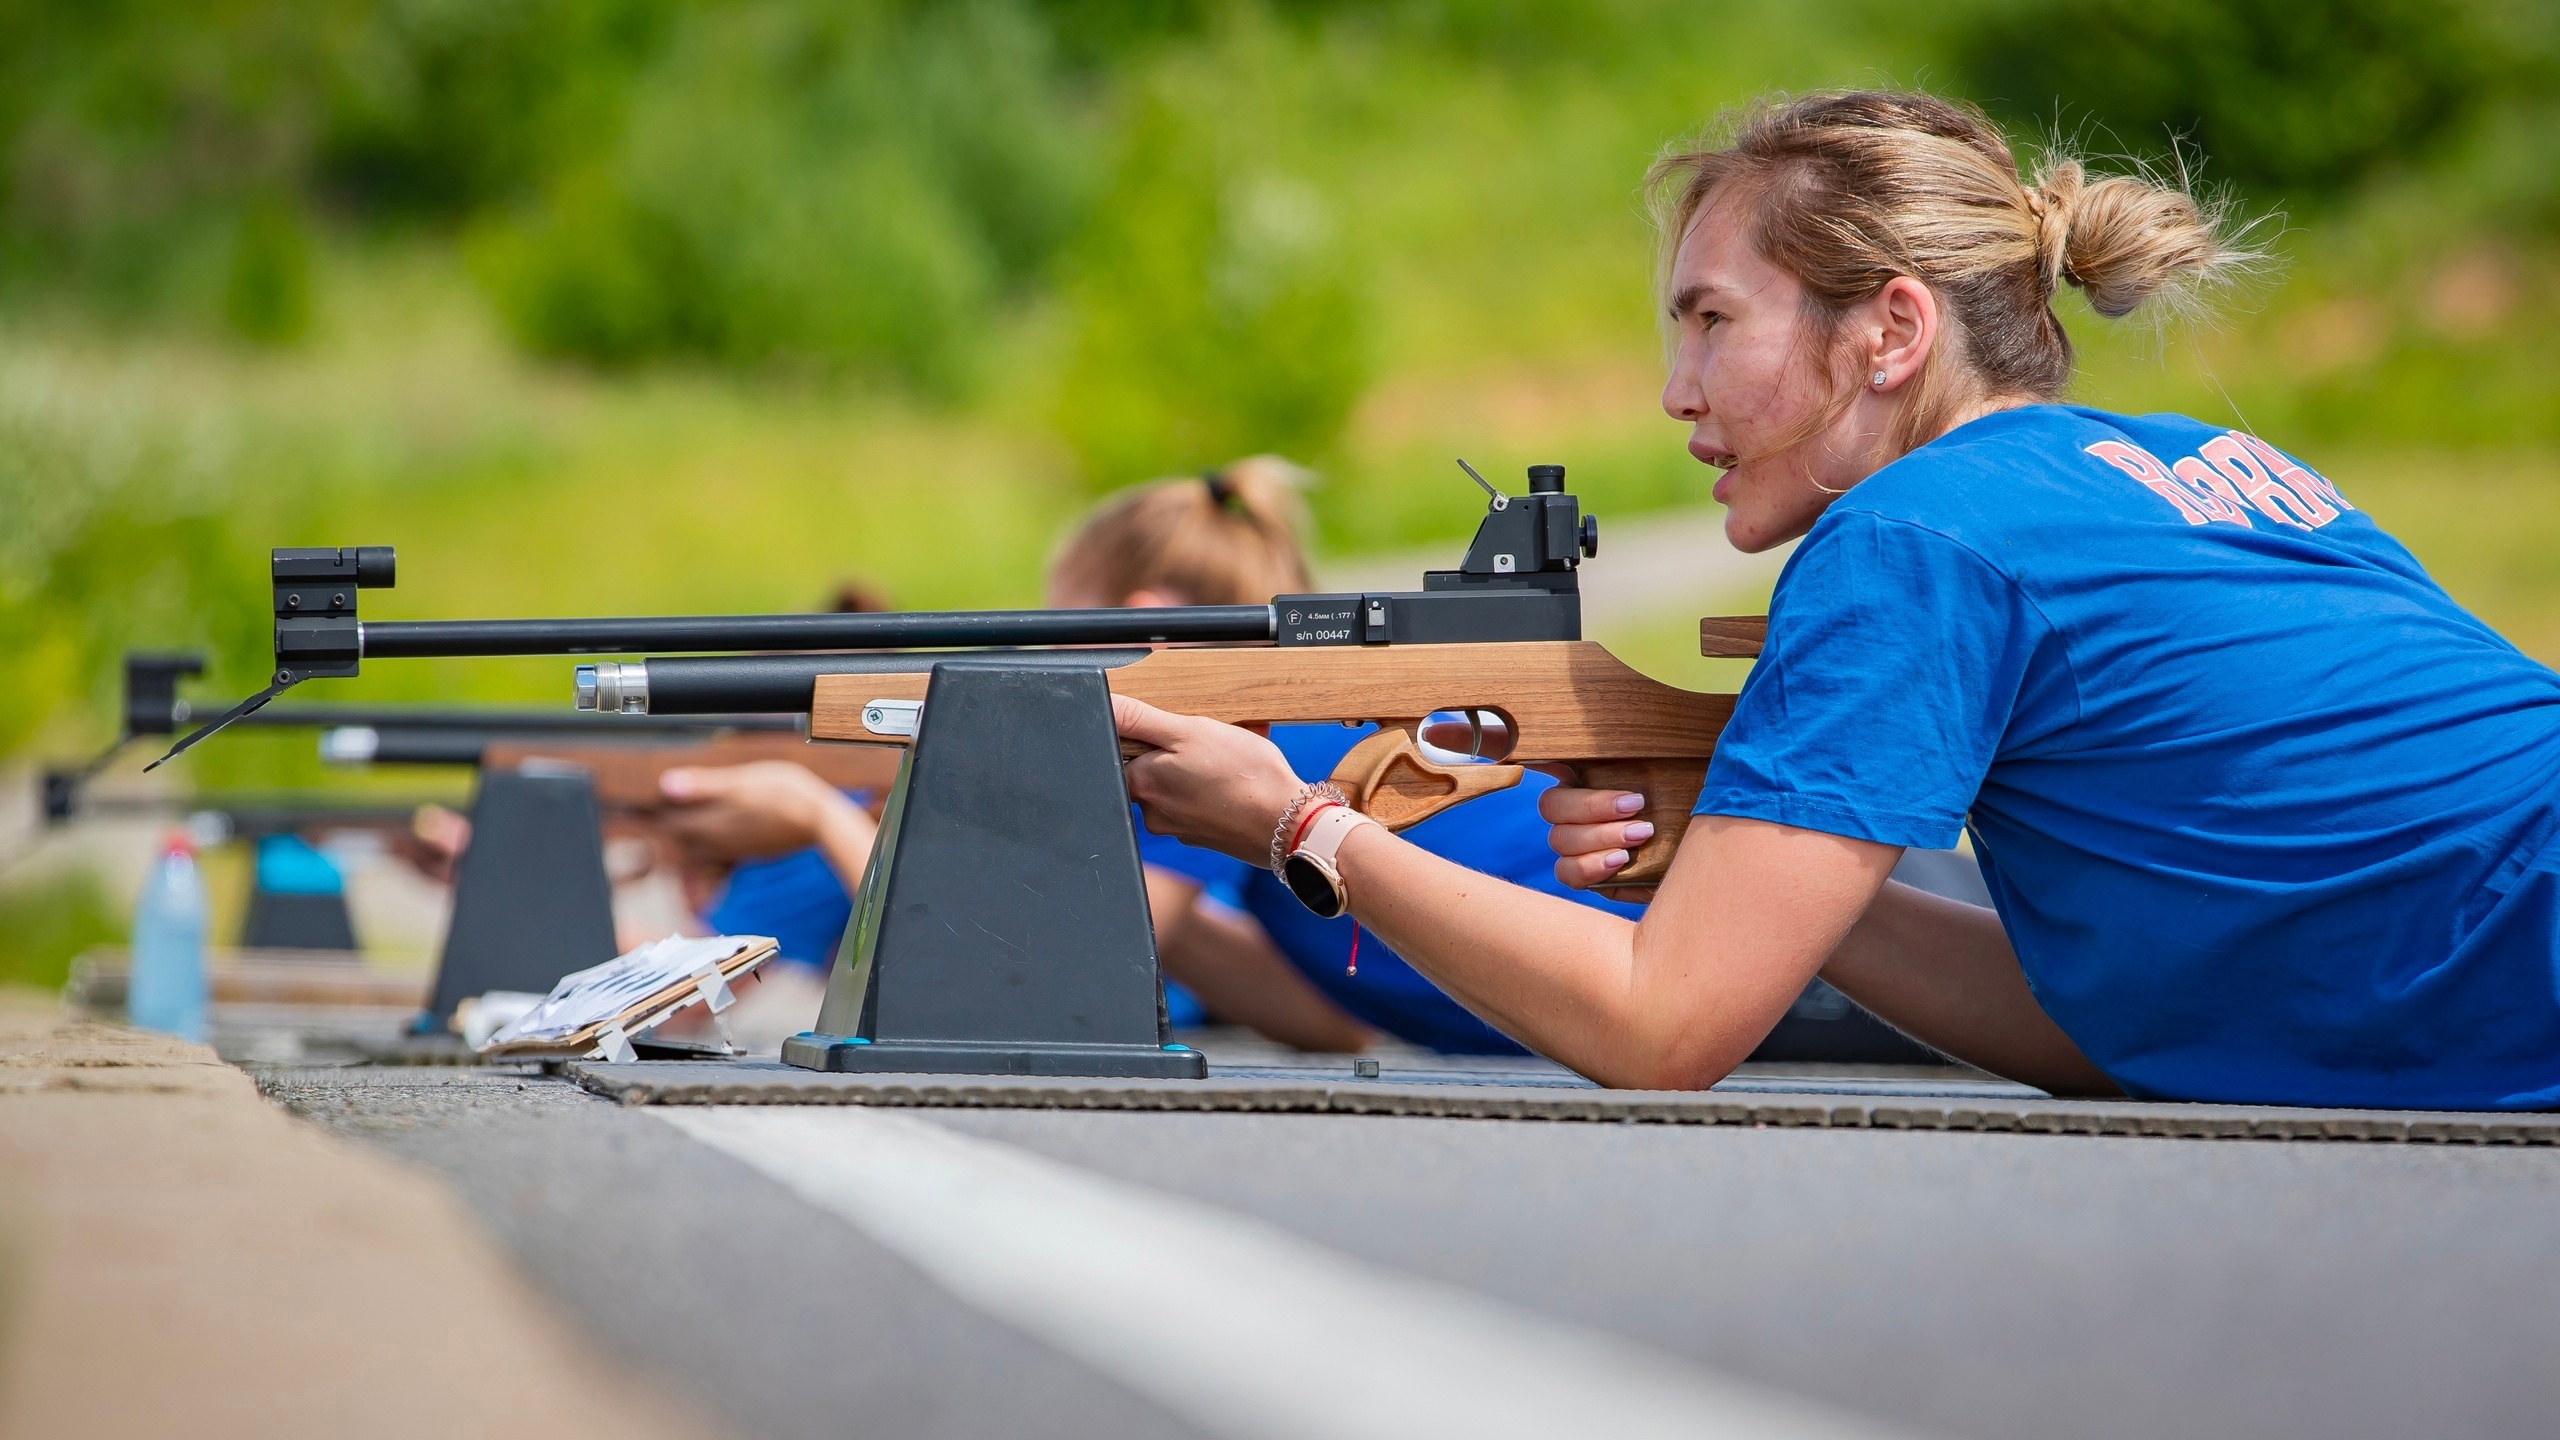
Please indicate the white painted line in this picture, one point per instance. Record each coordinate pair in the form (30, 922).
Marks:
(1232, 1324)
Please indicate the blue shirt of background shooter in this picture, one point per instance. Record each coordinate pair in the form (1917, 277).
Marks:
(2268, 817)
(1499, 834)
(794, 898)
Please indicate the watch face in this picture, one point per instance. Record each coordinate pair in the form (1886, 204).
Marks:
(1315, 888)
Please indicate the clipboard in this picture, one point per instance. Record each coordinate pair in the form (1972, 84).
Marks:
(593, 1014)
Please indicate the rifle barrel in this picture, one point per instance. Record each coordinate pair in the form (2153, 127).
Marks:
(685, 685)
(903, 630)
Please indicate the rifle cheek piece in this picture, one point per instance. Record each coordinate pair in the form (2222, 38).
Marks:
(614, 687)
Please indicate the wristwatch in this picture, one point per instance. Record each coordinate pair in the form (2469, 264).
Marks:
(1311, 870)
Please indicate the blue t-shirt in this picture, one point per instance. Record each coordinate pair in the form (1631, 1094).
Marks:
(2267, 816)
(794, 898)
(1499, 834)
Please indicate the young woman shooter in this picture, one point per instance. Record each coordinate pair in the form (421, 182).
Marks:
(2266, 815)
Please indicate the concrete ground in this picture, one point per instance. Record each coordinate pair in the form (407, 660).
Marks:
(796, 1272)
(179, 1257)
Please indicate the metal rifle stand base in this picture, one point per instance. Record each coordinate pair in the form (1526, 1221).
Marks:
(531, 902)
(1003, 927)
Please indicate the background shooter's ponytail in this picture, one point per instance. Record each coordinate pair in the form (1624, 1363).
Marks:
(1229, 536)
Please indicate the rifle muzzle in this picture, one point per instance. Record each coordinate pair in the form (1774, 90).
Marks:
(614, 687)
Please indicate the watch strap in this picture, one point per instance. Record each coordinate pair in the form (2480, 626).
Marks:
(1322, 839)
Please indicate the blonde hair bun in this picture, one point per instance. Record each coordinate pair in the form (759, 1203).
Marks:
(2128, 240)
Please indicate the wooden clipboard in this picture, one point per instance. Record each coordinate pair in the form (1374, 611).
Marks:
(610, 1038)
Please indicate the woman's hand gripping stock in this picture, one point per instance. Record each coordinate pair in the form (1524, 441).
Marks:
(1593, 835)
(1229, 785)
(1218, 786)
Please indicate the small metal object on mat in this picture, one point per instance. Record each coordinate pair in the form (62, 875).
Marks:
(1365, 1069)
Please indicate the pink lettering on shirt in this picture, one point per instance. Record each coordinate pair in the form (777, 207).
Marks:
(2302, 481)
(2279, 502)
(2214, 491)
(2142, 465)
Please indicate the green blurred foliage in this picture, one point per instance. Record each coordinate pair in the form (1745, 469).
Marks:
(2295, 101)
(45, 925)
(1218, 310)
(853, 187)
(268, 298)
(433, 109)
(134, 131)
(119, 535)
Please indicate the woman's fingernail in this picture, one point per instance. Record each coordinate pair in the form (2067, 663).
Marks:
(1613, 860)
(1630, 804)
(1638, 833)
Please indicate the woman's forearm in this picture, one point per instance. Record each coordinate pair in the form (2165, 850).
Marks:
(1747, 914)
(1943, 972)
(846, 835)
(1551, 974)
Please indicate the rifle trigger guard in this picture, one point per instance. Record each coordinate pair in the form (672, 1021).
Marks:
(1388, 779)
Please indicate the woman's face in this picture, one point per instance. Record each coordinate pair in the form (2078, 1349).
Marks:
(1745, 378)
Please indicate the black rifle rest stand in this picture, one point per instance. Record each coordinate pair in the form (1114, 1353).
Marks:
(1002, 927)
(531, 902)
(285, 920)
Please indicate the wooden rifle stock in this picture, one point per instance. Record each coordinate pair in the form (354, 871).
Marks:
(626, 776)
(1569, 704)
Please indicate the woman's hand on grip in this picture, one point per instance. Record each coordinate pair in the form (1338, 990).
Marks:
(1205, 783)
(1594, 835)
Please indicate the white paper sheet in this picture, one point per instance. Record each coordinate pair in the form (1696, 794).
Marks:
(604, 991)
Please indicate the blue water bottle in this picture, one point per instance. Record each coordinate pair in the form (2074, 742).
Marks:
(167, 988)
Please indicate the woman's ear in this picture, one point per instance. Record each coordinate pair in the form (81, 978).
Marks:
(1903, 324)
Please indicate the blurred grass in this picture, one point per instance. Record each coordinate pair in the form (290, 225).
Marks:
(2486, 525)
(45, 925)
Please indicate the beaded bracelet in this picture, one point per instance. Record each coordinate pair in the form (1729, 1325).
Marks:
(1287, 829)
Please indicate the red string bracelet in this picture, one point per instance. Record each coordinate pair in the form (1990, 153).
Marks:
(1353, 968)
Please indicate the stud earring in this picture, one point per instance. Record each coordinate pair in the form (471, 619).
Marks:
(1879, 379)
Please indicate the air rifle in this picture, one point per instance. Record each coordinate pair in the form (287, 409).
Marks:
(624, 753)
(1003, 923)
(1500, 636)
(1496, 640)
